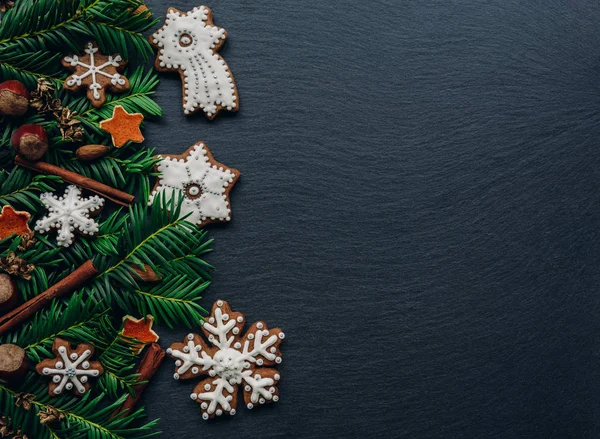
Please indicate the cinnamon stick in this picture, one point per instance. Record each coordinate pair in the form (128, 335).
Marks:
(70, 283)
(115, 195)
(147, 368)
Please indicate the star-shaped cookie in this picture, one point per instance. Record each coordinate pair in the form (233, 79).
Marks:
(123, 126)
(204, 182)
(96, 73)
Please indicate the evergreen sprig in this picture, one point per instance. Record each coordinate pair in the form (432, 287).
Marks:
(34, 36)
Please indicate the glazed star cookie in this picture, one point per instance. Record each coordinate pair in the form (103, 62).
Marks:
(14, 222)
(188, 43)
(204, 183)
(233, 361)
(71, 369)
(95, 72)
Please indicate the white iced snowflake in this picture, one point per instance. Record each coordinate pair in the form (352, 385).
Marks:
(204, 183)
(68, 214)
(116, 79)
(233, 361)
(188, 42)
(71, 370)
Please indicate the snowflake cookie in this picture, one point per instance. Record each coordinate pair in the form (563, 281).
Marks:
(96, 72)
(232, 361)
(188, 42)
(204, 182)
(69, 213)
(71, 369)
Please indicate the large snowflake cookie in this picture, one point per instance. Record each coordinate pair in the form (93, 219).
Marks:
(95, 72)
(232, 361)
(68, 214)
(188, 42)
(204, 183)
(71, 369)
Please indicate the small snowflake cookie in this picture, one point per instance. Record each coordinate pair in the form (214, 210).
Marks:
(188, 42)
(95, 72)
(233, 361)
(68, 214)
(71, 369)
(204, 183)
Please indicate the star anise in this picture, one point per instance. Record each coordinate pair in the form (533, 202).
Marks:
(70, 128)
(5, 5)
(24, 400)
(42, 99)
(49, 415)
(14, 265)
(26, 241)
(5, 430)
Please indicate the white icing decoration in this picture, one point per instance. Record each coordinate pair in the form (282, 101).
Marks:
(230, 366)
(195, 170)
(188, 42)
(70, 374)
(69, 213)
(94, 70)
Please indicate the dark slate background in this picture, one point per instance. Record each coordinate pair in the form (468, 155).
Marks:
(418, 211)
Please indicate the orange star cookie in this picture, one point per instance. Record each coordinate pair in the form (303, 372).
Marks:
(140, 329)
(123, 127)
(15, 222)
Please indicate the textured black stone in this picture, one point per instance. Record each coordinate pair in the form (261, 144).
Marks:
(418, 211)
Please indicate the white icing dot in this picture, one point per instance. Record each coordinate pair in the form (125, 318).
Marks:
(190, 336)
(240, 319)
(178, 363)
(219, 412)
(247, 388)
(261, 400)
(250, 406)
(204, 405)
(250, 336)
(232, 412)
(259, 362)
(275, 398)
(176, 376)
(236, 331)
(277, 377)
(55, 378)
(278, 360)
(237, 345)
(205, 416)
(194, 396)
(219, 302)
(225, 317)
(259, 325)
(273, 349)
(207, 387)
(272, 390)
(195, 370)
(281, 335)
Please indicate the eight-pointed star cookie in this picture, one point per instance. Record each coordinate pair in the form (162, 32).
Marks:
(96, 72)
(204, 182)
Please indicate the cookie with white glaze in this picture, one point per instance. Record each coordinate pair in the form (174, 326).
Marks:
(188, 43)
(230, 362)
(204, 183)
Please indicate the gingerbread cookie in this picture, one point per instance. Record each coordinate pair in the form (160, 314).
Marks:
(233, 361)
(123, 126)
(189, 42)
(71, 368)
(68, 214)
(95, 72)
(204, 182)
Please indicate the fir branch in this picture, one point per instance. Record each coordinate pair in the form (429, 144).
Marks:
(86, 417)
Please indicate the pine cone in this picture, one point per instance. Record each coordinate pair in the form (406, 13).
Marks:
(50, 415)
(14, 265)
(42, 99)
(5, 430)
(26, 241)
(24, 400)
(5, 5)
(70, 128)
